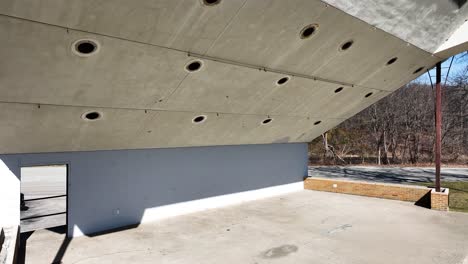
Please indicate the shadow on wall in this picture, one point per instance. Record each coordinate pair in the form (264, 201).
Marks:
(113, 189)
(425, 201)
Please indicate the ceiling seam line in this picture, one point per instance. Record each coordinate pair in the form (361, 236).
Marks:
(162, 110)
(94, 33)
(283, 72)
(167, 98)
(225, 28)
(226, 61)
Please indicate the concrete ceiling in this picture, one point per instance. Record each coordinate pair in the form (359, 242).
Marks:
(427, 24)
(138, 82)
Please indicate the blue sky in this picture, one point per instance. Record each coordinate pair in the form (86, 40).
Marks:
(458, 64)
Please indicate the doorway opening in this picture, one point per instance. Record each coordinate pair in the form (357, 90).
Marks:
(43, 197)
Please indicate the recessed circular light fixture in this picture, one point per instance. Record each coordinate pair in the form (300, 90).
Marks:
(193, 66)
(392, 60)
(369, 94)
(199, 119)
(346, 45)
(418, 70)
(317, 122)
(211, 2)
(85, 47)
(266, 121)
(282, 80)
(308, 31)
(91, 116)
(339, 90)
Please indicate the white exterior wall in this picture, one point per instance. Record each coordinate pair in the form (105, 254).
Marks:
(9, 193)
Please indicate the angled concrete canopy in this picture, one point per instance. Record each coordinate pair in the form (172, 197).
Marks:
(138, 83)
(104, 85)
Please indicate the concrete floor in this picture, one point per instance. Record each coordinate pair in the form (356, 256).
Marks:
(388, 174)
(302, 227)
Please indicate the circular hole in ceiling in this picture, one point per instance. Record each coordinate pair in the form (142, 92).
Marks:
(91, 116)
(266, 121)
(211, 2)
(392, 60)
(193, 66)
(339, 90)
(418, 70)
(308, 31)
(318, 122)
(199, 119)
(282, 80)
(85, 47)
(369, 94)
(346, 45)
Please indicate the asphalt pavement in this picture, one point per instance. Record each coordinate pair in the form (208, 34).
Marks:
(388, 174)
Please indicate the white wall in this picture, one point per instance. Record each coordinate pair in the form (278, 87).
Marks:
(9, 193)
(110, 189)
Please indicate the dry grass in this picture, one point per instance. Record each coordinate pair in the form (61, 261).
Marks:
(458, 198)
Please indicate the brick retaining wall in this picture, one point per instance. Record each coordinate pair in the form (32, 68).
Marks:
(437, 201)
(440, 200)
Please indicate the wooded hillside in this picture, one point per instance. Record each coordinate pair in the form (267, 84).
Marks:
(401, 128)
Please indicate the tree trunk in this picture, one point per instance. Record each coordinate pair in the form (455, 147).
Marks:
(378, 157)
(328, 153)
(387, 161)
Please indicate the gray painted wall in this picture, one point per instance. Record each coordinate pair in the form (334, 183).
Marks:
(132, 180)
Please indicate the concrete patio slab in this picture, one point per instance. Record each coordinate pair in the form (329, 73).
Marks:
(302, 227)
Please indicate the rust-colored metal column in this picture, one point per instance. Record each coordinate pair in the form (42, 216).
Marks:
(438, 125)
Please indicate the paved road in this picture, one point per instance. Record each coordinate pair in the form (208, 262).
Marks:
(388, 174)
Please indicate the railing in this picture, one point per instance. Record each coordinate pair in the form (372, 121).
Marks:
(45, 215)
(48, 197)
(38, 216)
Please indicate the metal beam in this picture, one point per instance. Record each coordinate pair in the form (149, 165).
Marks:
(438, 125)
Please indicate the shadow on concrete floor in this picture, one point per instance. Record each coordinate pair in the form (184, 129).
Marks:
(22, 246)
(60, 253)
(113, 230)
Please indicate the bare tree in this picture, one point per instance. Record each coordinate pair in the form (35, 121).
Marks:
(400, 127)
